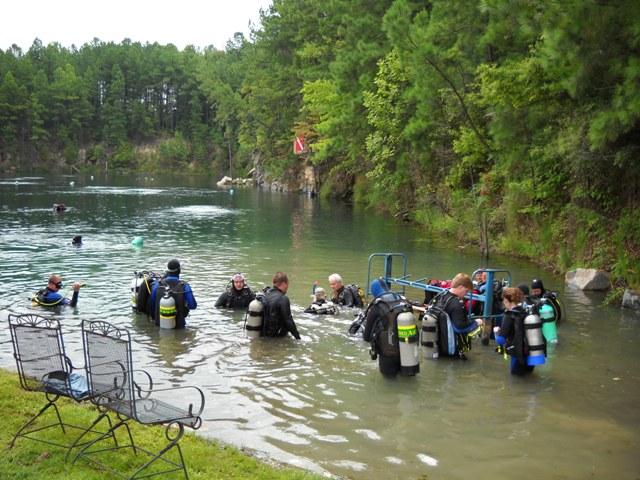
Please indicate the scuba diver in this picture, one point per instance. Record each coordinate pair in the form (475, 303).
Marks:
(520, 333)
(172, 298)
(384, 323)
(59, 207)
(539, 292)
(277, 318)
(77, 241)
(50, 296)
(320, 304)
(237, 295)
(547, 305)
(348, 295)
(454, 327)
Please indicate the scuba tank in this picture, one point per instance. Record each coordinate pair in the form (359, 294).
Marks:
(254, 317)
(533, 333)
(136, 283)
(548, 317)
(408, 340)
(429, 339)
(167, 311)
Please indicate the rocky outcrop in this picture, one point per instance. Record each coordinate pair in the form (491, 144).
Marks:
(588, 279)
(228, 181)
(631, 299)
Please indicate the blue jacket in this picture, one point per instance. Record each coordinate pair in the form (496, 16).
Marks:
(189, 299)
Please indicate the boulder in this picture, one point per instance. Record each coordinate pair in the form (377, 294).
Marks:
(224, 181)
(631, 299)
(588, 279)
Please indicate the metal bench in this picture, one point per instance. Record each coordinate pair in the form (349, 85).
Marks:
(43, 366)
(130, 395)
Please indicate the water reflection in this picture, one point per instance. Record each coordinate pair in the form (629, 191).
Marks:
(321, 403)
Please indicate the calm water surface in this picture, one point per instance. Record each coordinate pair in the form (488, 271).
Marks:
(320, 403)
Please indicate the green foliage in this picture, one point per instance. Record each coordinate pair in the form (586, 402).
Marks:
(123, 157)
(523, 116)
(626, 240)
(173, 153)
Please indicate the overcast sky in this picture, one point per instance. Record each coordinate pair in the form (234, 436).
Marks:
(181, 22)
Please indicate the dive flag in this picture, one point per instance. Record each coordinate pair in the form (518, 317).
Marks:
(298, 145)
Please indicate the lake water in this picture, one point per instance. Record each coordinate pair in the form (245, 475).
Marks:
(321, 403)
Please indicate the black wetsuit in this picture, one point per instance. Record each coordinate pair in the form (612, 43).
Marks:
(232, 298)
(279, 321)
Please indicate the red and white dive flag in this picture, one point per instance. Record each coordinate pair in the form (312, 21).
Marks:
(298, 145)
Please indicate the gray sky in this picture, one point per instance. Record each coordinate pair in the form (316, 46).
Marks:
(181, 22)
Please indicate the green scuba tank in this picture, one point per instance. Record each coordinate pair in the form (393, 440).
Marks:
(549, 328)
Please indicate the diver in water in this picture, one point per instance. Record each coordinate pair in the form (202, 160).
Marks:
(455, 334)
(320, 304)
(278, 320)
(237, 295)
(381, 327)
(50, 296)
(178, 289)
(343, 295)
(77, 241)
(511, 335)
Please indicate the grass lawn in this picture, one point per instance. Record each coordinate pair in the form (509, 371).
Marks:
(29, 459)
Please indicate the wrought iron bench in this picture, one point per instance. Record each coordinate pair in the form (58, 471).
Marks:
(43, 366)
(119, 388)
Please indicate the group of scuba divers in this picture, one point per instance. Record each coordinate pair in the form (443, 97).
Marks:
(523, 320)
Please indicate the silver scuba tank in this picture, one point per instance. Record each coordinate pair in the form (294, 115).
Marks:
(136, 283)
(167, 311)
(408, 342)
(429, 340)
(253, 321)
(533, 332)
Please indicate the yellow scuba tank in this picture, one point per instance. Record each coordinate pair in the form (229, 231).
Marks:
(533, 332)
(408, 343)
(167, 311)
(254, 317)
(429, 337)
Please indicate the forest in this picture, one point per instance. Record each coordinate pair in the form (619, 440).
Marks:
(508, 126)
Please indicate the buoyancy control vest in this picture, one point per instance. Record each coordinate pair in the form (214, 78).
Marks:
(141, 288)
(384, 340)
(451, 340)
(175, 288)
(238, 299)
(270, 325)
(40, 298)
(322, 308)
(444, 327)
